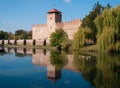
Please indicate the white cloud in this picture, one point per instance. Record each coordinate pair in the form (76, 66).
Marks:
(68, 1)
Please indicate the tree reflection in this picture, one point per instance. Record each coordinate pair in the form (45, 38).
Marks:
(86, 65)
(20, 54)
(108, 71)
(59, 59)
(102, 71)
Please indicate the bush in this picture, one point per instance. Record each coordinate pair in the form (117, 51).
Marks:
(58, 38)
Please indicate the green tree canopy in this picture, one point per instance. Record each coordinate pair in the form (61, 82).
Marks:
(3, 35)
(108, 29)
(21, 34)
(58, 37)
(88, 21)
(79, 39)
(29, 35)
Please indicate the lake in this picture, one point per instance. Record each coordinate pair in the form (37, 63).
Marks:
(36, 68)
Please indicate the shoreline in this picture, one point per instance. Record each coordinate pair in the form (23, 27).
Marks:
(30, 46)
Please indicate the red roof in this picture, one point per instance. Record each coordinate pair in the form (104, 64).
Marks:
(54, 11)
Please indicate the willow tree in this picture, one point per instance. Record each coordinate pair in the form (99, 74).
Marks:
(107, 40)
(108, 28)
(79, 39)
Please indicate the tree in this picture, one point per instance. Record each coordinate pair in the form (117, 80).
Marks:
(21, 34)
(29, 35)
(11, 35)
(108, 26)
(88, 21)
(79, 39)
(3, 35)
(58, 37)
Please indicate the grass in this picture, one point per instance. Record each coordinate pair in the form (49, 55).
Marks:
(91, 48)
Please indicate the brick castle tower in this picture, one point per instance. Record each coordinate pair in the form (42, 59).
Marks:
(54, 22)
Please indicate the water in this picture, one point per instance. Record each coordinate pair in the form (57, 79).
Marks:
(30, 68)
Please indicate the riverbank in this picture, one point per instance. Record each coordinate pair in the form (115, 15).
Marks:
(92, 48)
(30, 46)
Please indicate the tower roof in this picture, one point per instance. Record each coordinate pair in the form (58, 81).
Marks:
(54, 11)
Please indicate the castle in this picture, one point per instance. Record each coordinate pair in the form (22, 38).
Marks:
(54, 22)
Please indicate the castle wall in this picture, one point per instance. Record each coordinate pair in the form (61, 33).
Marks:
(29, 42)
(5, 41)
(40, 32)
(20, 42)
(12, 41)
(69, 27)
(24, 42)
(54, 21)
(39, 42)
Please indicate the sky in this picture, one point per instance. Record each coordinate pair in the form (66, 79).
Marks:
(22, 14)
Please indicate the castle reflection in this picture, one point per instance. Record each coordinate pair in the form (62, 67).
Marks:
(54, 61)
(101, 70)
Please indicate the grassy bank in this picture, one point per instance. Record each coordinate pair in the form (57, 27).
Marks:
(92, 48)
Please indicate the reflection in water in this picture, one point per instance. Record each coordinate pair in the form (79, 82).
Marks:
(34, 51)
(101, 71)
(15, 49)
(59, 59)
(53, 73)
(86, 65)
(24, 50)
(9, 50)
(44, 51)
(108, 71)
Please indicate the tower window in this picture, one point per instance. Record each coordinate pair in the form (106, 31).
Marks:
(50, 27)
(50, 18)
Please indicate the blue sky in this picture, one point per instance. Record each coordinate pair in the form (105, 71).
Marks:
(22, 14)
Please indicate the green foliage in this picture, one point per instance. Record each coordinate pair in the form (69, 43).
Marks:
(88, 21)
(58, 37)
(117, 47)
(11, 35)
(29, 35)
(20, 34)
(59, 59)
(86, 65)
(108, 29)
(107, 71)
(3, 35)
(106, 39)
(80, 37)
(109, 18)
